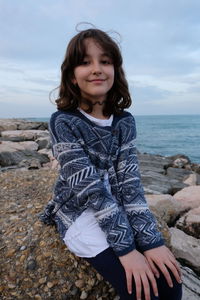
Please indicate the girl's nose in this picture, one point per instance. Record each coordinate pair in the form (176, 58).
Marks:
(96, 68)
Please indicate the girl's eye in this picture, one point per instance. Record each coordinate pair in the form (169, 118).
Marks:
(85, 62)
(106, 62)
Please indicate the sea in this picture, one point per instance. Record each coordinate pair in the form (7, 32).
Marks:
(166, 135)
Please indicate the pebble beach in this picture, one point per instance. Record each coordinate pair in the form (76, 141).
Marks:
(36, 264)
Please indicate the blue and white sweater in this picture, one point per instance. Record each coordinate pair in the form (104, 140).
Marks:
(84, 151)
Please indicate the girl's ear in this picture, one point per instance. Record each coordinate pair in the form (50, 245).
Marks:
(74, 81)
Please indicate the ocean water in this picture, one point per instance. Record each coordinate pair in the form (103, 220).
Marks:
(166, 135)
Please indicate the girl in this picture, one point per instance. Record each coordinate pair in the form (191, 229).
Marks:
(98, 203)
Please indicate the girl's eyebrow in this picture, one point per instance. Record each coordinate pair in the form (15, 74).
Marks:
(103, 54)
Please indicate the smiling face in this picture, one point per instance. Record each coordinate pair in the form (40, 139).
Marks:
(95, 75)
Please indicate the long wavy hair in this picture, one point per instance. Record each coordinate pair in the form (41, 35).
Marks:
(118, 97)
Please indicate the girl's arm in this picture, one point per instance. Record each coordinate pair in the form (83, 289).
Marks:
(140, 217)
(147, 237)
(86, 187)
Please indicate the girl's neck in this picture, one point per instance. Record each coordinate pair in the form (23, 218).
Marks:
(97, 111)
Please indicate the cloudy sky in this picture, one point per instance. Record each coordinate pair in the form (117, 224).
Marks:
(159, 39)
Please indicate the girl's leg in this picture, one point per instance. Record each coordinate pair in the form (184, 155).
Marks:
(110, 267)
(165, 292)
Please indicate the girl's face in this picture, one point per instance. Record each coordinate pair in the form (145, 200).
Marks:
(95, 76)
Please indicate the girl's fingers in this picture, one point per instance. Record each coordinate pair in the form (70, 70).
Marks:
(153, 283)
(138, 286)
(175, 270)
(146, 287)
(129, 282)
(166, 275)
(153, 268)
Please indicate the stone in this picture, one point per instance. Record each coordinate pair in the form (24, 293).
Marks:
(190, 222)
(186, 248)
(23, 135)
(12, 153)
(189, 197)
(83, 295)
(191, 284)
(179, 174)
(31, 265)
(79, 283)
(165, 207)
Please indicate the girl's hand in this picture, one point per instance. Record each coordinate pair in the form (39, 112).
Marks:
(136, 265)
(161, 257)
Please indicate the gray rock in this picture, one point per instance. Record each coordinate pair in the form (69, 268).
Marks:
(191, 284)
(43, 143)
(178, 174)
(21, 124)
(23, 135)
(186, 248)
(160, 184)
(12, 153)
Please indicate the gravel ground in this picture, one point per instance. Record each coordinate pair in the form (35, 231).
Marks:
(35, 263)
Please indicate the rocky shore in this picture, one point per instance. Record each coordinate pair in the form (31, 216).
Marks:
(35, 264)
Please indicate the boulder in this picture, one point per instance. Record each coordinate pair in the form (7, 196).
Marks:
(23, 135)
(191, 284)
(153, 162)
(160, 184)
(190, 222)
(166, 207)
(178, 174)
(43, 142)
(21, 124)
(189, 197)
(186, 248)
(179, 160)
(12, 153)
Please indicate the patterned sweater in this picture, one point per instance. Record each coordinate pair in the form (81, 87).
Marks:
(84, 151)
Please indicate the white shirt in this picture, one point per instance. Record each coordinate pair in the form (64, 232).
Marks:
(84, 237)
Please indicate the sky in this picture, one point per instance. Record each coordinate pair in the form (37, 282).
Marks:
(159, 41)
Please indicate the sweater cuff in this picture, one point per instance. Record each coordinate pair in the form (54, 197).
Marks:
(125, 251)
(152, 246)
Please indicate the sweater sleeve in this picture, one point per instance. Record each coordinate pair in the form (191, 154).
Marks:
(87, 188)
(140, 217)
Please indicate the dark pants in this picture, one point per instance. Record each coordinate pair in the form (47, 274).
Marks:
(109, 266)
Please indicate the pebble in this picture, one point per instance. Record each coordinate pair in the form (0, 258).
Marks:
(79, 283)
(22, 248)
(83, 295)
(31, 265)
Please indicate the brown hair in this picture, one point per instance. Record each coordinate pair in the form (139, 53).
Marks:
(118, 97)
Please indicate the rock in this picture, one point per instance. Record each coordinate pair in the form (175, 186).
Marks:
(189, 197)
(179, 174)
(179, 160)
(186, 248)
(193, 179)
(190, 222)
(165, 207)
(31, 265)
(160, 184)
(21, 124)
(191, 284)
(12, 153)
(23, 135)
(43, 142)
(83, 295)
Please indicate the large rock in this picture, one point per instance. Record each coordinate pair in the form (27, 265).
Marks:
(179, 174)
(155, 183)
(186, 248)
(166, 207)
(191, 284)
(23, 135)
(12, 153)
(21, 124)
(150, 162)
(189, 197)
(190, 222)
